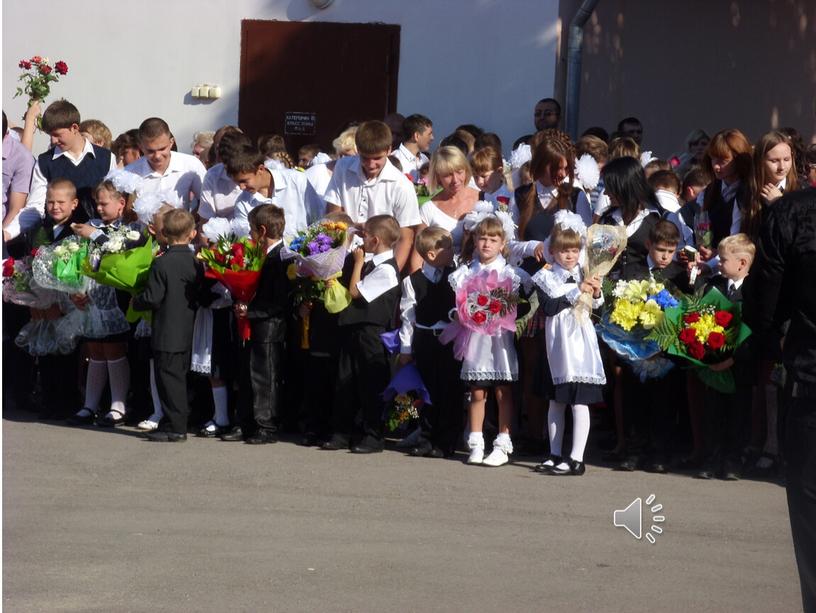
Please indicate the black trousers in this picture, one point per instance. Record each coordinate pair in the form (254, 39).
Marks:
(800, 453)
(440, 421)
(650, 410)
(58, 374)
(363, 373)
(724, 423)
(171, 381)
(319, 393)
(266, 356)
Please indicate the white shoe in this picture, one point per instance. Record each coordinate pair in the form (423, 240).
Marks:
(497, 457)
(476, 455)
(147, 425)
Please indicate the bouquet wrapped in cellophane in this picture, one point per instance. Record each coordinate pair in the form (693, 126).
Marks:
(604, 245)
(405, 396)
(59, 266)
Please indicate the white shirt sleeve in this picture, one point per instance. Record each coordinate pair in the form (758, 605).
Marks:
(113, 164)
(196, 184)
(206, 207)
(377, 282)
(602, 204)
(332, 195)
(241, 210)
(315, 205)
(408, 316)
(518, 250)
(405, 206)
(33, 212)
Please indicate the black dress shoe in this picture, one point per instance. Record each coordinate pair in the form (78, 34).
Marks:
(547, 465)
(731, 471)
(657, 467)
(421, 450)
(336, 443)
(310, 439)
(435, 452)
(215, 432)
(576, 468)
(365, 448)
(81, 420)
(236, 434)
(628, 465)
(261, 437)
(106, 421)
(161, 436)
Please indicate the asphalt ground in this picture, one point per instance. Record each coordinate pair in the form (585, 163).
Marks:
(102, 520)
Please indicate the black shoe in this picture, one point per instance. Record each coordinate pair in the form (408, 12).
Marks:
(657, 467)
(705, 473)
(106, 421)
(546, 468)
(422, 449)
(435, 452)
(628, 465)
(80, 420)
(369, 444)
(215, 432)
(576, 468)
(261, 437)
(236, 434)
(731, 471)
(161, 436)
(310, 439)
(336, 443)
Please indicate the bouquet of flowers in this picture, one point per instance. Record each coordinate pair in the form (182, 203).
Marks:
(604, 245)
(702, 229)
(637, 308)
(703, 330)
(235, 262)
(406, 394)
(19, 287)
(485, 304)
(59, 267)
(122, 262)
(38, 76)
(319, 253)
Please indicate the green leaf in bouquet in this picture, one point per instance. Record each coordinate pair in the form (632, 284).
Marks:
(666, 332)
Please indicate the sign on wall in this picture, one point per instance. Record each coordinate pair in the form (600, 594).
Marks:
(300, 123)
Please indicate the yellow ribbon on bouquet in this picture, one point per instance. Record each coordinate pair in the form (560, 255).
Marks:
(336, 297)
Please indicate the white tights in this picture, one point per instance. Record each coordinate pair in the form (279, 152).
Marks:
(580, 428)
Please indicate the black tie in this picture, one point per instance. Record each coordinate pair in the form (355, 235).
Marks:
(367, 268)
(570, 279)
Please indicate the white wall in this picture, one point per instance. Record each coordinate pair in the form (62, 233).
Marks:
(476, 61)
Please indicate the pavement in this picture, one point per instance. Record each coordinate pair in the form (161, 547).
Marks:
(102, 520)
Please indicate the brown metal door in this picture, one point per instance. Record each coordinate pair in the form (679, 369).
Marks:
(305, 81)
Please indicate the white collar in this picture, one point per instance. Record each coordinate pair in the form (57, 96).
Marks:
(783, 184)
(546, 192)
(382, 257)
(87, 149)
(650, 262)
(278, 178)
(389, 172)
(562, 274)
(735, 284)
(498, 264)
(175, 165)
(273, 245)
(407, 153)
(431, 273)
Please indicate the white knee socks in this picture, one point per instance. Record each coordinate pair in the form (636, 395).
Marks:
(119, 372)
(95, 383)
(580, 429)
(154, 394)
(221, 417)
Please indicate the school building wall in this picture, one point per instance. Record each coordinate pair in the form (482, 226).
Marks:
(710, 64)
(480, 61)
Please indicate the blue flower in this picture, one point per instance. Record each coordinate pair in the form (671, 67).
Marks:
(664, 299)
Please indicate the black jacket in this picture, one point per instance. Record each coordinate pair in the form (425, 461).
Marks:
(272, 295)
(174, 283)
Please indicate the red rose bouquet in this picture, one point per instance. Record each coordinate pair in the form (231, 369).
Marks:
(38, 75)
(703, 330)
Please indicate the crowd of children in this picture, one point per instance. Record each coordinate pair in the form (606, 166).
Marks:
(427, 229)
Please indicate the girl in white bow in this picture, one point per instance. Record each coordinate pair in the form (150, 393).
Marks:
(575, 365)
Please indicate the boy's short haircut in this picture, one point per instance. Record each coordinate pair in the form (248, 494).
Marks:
(594, 146)
(60, 114)
(312, 149)
(159, 214)
(431, 238)
(486, 160)
(415, 123)
(665, 179)
(100, 133)
(230, 143)
(270, 217)
(154, 127)
(384, 227)
(63, 184)
(664, 232)
(695, 177)
(738, 244)
(126, 140)
(656, 165)
(177, 224)
(245, 158)
(623, 146)
(488, 139)
(373, 138)
(271, 143)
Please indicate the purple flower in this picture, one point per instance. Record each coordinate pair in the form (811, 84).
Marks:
(313, 248)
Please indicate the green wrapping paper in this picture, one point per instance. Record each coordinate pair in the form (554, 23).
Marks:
(127, 271)
(70, 271)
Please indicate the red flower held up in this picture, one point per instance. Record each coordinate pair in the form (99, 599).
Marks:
(687, 336)
(503, 199)
(723, 318)
(61, 67)
(45, 69)
(479, 317)
(691, 318)
(482, 300)
(495, 307)
(696, 350)
(25, 64)
(8, 267)
(716, 340)
(36, 59)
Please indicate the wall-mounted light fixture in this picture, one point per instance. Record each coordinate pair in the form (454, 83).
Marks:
(205, 90)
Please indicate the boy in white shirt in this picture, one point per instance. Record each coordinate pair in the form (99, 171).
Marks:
(367, 185)
(418, 131)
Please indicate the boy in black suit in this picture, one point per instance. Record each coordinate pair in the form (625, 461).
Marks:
(726, 415)
(651, 406)
(174, 282)
(267, 319)
(363, 370)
